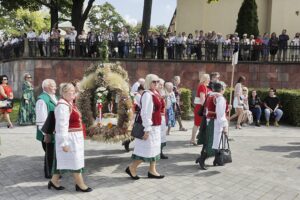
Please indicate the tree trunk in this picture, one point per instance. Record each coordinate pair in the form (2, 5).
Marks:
(146, 17)
(78, 16)
(54, 16)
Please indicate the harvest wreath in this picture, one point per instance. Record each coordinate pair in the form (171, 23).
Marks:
(104, 89)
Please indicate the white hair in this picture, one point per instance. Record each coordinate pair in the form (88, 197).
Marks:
(149, 79)
(47, 82)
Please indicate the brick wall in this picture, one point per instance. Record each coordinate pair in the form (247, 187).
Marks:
(258, 75)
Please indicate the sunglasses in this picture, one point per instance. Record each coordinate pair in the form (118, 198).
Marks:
(5, 79)
(28, 77)
(155, 81)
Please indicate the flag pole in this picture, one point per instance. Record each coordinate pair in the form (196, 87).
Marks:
(235, 57)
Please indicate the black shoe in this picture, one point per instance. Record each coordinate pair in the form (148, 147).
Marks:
(48, 176)
(163, 156)
(129, 173)
(153, 176)
(126, 145)
(50, 184)
(201, 161)
(78, 189)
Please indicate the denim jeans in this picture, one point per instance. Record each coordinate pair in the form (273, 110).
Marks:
(256, 112)
(278, 114)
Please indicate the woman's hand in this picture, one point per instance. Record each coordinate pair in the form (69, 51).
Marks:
(26, 101)
(66, 149)
(146, 135)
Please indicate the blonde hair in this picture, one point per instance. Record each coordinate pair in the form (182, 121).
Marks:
(245, 88)
(169, 85)
(204, 77)
(47, 82)
(149, 79)
(64, 88)
(176, 78)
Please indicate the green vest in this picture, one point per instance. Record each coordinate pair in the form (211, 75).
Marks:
(51, 106)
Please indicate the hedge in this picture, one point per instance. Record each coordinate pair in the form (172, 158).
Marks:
(185, 97)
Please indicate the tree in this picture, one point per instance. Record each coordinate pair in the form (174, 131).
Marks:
(247, 21)
(55, 7)
(146, 17)
(104, 16)
(79, 16)
(19, 21)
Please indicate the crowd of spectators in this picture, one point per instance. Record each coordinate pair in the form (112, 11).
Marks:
(210, 46)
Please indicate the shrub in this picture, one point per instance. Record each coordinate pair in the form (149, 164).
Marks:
(186, 97)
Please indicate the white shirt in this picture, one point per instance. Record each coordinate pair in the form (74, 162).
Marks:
(15, 40)
(41, 111)
(45, 36)
(73, 35)
(62, 118)
(31, 35)
(221, 112)
(147, 110)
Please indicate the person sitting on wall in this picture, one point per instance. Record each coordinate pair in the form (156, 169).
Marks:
(272, 104)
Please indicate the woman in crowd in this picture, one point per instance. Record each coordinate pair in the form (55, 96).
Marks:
(238, 101)
(273, 45)
(199, 101)
(247, 114)
(272, 106)
(163, 127)
(69, 144)
(255, 107)
(177, 104)
(148, 148)
(170, 102)
(6, 93)
(220, 122)
(27, 104)
(206, 131)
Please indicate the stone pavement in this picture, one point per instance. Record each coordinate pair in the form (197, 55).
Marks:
(265, 166)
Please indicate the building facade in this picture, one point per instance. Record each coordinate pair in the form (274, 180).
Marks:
(273, 15)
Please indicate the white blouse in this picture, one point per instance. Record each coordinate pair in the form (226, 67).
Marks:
(221, 112)
(147, 110)
(62, 117)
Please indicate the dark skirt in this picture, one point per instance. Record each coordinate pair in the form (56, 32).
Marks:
(206, 136)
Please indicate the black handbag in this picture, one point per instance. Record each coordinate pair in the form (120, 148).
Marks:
(6, 104)
(138, 128)
(223, 155)
(49, 125)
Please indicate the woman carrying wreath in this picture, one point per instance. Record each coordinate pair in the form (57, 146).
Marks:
(148, 148)
(27, 104)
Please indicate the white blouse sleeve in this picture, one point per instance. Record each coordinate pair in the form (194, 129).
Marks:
(221, 112)
(147, 110)
(41, 111)
(62, 117)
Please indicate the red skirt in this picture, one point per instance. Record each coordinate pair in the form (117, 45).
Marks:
(197, 118)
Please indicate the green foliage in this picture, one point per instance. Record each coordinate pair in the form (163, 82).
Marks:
(104, 16)
(290, 102)
(247, 21)
(19, 21)
(185, 97)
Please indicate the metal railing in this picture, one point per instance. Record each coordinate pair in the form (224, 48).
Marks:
(171, 51)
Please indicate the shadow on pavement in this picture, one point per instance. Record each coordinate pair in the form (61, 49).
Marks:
(294, 151)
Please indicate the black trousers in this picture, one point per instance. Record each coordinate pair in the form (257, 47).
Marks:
(48, 160)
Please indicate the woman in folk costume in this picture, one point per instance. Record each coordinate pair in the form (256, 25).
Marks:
(199, 101)
(27, 104)
(170, 103)
(148, 148)
(6, 92)
(163, 127)
(220, 122)
(69, 144)
(206, 131)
